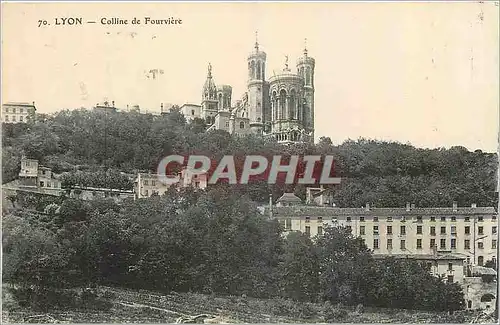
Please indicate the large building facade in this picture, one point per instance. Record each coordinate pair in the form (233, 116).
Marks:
(280, 107)
(454, 242)
(469, 232)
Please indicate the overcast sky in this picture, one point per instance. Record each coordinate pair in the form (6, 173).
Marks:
(409, 72)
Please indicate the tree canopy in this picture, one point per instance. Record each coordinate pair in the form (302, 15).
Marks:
(385, 174)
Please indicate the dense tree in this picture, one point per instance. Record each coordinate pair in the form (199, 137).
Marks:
(345, 266)
(300, 268)
(376, 172)
(418, 289)
(209, 242)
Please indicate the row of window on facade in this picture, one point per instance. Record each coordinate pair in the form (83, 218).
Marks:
(153, 182)
(13, 118)
(419, 228)
(196, 184)
(432, 242)
(432, 219)
(13, 110)
(432, 230)
(419, 219)
(256, 70)
(46, 184)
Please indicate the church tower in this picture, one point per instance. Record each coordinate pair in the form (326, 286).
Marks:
(256, 86)
(209, 102)
(305, 69)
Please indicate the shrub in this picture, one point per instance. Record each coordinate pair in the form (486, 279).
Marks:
(335, 313)
(283, 307)
(45, 299)
(360, 309)
(306, 310)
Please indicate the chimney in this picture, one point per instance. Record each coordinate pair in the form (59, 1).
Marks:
(455, 206)
(408, 206)
(113, 103)
(473, 205)
(367, 207)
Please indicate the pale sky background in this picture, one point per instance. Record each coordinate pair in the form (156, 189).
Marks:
(389, 71)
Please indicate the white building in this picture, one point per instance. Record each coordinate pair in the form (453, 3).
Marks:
(13, 112)
(148, 184)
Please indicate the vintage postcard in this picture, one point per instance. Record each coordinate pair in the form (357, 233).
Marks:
(250, 162)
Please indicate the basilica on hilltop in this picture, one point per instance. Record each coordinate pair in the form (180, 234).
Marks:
(281, 106)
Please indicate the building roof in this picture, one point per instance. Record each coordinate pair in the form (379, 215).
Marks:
(190, 105)
(305, 210)
(101, 189)
(289, 197)
(424, 257)
(481, 270)
(24, 104)
(28, 159)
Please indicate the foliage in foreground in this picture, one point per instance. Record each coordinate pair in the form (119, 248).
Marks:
(158, 308)
(213, 242)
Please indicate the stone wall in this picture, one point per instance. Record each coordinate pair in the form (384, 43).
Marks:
(480, 294)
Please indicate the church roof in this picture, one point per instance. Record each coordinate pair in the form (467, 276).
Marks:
(209, 89)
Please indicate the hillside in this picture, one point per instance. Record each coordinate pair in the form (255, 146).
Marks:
(129, 306)
(384, 174)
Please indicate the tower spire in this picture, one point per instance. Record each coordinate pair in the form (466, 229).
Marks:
(209, 70)
(286, 63)
(257, 41)
(305, 46)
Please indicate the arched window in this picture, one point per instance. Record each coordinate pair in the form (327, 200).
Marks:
(308, 76)
(291, 105)
(282, 104)
(305, 108)
(208, 120)
(258, 70)
(487, 297)
(302, 72)
(274, 106)
(480, 261)
(258, 119)
(220, 101)
(252, 69)
(242, 125)
(263, 70)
